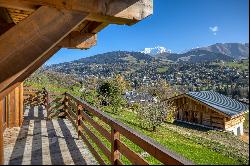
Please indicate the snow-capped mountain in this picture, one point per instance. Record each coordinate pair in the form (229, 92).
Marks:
(155, 51)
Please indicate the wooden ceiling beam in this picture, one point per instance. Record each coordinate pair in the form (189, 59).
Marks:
(108, 11)
(78, 41)
(31, 39)
(16, 4)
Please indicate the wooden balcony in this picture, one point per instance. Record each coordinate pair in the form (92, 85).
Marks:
(85, 136)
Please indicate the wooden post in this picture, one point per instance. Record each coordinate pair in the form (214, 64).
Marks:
(46, 101)
(115, 154)
(12, 109)
(65, 104)
(21, 104)
(79, 118)
(17, 109)
(1, 133)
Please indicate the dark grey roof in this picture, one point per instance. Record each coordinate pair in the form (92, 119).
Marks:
(220, 102)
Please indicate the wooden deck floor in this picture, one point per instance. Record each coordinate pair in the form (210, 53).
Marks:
(41, 141)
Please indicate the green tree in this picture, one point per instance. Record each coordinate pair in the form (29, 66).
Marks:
(110, 94)
(152, 115)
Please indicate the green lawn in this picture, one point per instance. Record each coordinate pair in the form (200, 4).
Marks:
(179, 144)
(162, 69)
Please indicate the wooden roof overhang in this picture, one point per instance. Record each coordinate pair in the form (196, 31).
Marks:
(206, 105)
(31, 31)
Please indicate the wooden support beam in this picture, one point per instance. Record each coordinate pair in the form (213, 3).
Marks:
(77, 40)
(115, 11)
(93, 27)
(16, 4)
(88, 41)
(30, 40)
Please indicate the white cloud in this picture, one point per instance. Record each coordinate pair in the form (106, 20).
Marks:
(214, 29)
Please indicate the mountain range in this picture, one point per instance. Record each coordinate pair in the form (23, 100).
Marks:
(126, 61)
(218, 51)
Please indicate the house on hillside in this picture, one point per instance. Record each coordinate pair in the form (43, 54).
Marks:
(211, 109)
(136, 97)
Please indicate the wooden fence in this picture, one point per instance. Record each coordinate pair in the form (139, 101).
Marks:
(82, 115)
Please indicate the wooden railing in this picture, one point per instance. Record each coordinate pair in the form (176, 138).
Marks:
(84, 118)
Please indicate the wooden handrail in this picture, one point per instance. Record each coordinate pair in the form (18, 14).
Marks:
(77, 111)
(150, 146)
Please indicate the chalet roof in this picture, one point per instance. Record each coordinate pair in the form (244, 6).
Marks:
(224, 104)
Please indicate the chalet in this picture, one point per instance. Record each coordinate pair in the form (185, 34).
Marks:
(211, 109)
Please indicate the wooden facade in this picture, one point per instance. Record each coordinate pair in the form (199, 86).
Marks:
(193, 111)
(12, 108)
(11, 112)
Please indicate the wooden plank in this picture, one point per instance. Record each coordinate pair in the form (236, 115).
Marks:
(98, 127)
(130, 154)
(97, 141)
(115, 12)
(23, 44)
(18, 5)
(92, 150)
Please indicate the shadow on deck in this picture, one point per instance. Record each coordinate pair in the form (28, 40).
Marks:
(40, 141)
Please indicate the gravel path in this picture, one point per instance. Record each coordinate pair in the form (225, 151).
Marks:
(43, 142)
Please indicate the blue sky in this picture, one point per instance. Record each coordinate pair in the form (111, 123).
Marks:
(177, 25)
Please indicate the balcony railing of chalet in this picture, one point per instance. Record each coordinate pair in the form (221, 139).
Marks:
(81, 114)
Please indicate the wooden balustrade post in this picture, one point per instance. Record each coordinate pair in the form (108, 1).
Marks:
(115, 154)
(47, 102)
(79, 118)
(65, 104)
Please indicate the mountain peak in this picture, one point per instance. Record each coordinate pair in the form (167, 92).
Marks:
(156, 50)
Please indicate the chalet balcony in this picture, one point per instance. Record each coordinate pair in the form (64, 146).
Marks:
(44, 142)
(83, 135)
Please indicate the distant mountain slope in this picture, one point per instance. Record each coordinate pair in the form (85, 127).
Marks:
(194, 56)
(106, 64)
(116, 57)
(235, 50)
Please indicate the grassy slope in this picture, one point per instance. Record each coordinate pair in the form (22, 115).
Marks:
(178, 143)
(243, 66)
(189, 148)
